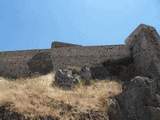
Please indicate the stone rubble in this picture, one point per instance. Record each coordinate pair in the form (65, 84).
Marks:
(65, 79)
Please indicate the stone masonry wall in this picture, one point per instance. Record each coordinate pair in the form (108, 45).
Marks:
(90, 56)
(15, 64)
(57, 44)
(26, 63)
(142, 46)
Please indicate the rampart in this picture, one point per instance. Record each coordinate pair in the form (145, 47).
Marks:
(26, 63)
(90, 55)
(57, 44)
(142, 48)
(15, 63)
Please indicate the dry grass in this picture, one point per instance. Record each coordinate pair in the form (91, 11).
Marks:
(33, 96)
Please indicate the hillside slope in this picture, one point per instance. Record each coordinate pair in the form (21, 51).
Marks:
(38, 98)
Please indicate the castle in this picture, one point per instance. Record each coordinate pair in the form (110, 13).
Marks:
(140, 55)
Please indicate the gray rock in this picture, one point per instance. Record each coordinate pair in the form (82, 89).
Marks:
(65, 79)
(113, 110)
(68, 78)
(144, 44)
(139, 94)
(86, 75)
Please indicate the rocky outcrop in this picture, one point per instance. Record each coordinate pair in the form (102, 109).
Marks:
(68, 78)
(139, 101)
(144, 44)
(65, 79)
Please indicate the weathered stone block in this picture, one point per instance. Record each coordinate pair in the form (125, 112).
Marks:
(137, 97)
(144, 44)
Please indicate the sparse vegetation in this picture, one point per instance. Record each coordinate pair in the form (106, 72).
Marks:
(37, 97)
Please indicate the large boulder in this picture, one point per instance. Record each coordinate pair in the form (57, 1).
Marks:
(69, 77)
(144, 44)
(132, 100)
(139, 100)
(65, 79)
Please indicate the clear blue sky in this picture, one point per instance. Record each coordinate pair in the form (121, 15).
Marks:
(27, 24)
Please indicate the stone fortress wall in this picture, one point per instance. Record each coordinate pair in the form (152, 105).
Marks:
(57, 44)
(139, 45)
(89, 55)
(15, 63)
